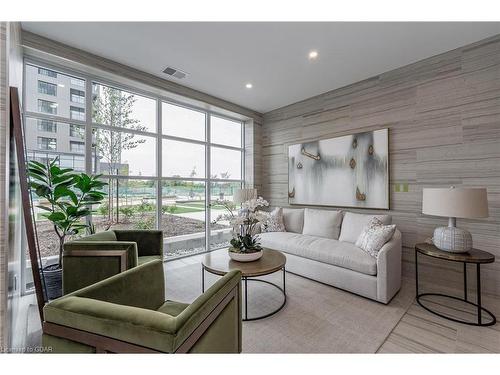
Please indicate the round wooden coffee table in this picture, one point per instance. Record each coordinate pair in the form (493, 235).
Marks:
(218, 263)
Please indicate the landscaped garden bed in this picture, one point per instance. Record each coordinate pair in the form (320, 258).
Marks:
(172, 225)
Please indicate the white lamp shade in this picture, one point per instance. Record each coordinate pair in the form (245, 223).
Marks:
(455, 202)
(243, 195)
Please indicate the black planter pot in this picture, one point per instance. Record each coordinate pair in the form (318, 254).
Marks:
(52, 277)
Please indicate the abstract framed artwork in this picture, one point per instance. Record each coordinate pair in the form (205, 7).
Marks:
(347, 171)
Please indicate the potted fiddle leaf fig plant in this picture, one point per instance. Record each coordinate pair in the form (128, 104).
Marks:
(69, 197)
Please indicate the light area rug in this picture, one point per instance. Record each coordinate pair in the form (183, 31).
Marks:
(317, 318)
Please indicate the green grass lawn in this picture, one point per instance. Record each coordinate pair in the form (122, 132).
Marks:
(193, 204)
(183, 208)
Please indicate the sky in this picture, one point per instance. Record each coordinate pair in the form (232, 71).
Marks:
(179, 158)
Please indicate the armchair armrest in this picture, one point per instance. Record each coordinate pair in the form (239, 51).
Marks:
(103, 258)
(222, 300)
(389, 268)
(149, 242)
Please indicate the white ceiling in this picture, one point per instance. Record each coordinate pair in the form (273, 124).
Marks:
(222, 57)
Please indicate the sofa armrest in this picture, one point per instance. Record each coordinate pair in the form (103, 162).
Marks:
(149, 242)
(389, 268)
(87, 262)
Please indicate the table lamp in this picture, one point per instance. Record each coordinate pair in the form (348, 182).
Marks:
(454, 202)
(243, 195)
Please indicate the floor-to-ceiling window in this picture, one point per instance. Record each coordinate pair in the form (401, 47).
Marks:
(167, 164)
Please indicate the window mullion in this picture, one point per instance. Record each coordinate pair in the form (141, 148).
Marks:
(88, 133)
(159, 198)
(208, 184)
(88, 126)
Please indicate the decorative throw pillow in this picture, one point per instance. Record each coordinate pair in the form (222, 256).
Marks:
(322, 223)
(353, 224)
(374, 236)
(293, 218)
(274, 222)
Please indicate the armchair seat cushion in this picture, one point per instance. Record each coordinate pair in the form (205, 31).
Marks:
(148, 258)
(172, 308)
(151, 329)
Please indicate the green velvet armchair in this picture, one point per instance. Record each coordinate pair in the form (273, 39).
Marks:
(127, 313)
(102, 255)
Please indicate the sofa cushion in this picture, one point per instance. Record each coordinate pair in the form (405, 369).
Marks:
(322, 223)
(293, 219)
(353, 224)
(323, 250)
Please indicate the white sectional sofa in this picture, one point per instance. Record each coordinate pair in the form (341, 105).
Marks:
(319, 244)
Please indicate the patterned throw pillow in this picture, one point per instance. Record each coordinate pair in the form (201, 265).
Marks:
(374, 236)
(274, 222)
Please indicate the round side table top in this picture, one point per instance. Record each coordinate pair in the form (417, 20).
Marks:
(472, 256)
(219, 263)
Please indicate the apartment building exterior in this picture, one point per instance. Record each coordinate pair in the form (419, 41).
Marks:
(51, 93)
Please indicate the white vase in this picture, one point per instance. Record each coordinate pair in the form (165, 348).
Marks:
(452, 239)
(245, 257)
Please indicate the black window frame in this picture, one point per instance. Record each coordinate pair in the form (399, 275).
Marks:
(40, 142)
(51, 105)
(77, 93)
(77, 133)
(44, 124)
(47, 72)
(79, 143)
(46, 91)
(79, 110)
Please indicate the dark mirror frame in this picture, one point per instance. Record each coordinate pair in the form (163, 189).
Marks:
(16, 129)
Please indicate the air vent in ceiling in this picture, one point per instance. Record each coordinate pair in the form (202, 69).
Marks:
(174, 72)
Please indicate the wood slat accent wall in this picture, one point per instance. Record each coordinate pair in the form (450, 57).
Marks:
(253, 154)
(444, 119)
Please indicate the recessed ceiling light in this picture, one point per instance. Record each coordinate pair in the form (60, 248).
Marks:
(313, 55)
(248, 85)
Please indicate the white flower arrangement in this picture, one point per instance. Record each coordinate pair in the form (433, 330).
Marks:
(244, 222)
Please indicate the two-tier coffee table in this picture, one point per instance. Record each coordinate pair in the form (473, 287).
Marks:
(473, 256)
(218, 263)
